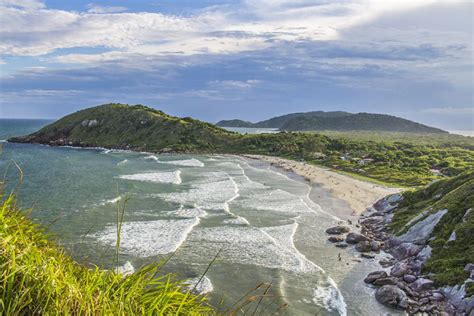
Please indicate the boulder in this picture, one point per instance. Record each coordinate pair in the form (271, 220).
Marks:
(354, 238)
(336, 238)
(385, 281)
(392, 296)
(375, 245)
(341, 245)
(409, 278)
(400, 268)
(405, 250)
(422, 284)
(371, 277)
(367, 256)
(337, 230)
(363, 246)
(387, 262)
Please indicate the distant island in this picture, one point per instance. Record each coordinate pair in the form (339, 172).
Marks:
(335, 121)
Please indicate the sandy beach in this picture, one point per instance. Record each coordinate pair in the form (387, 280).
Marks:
(357, 193)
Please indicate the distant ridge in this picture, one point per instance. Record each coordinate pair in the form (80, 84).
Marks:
(337, 121)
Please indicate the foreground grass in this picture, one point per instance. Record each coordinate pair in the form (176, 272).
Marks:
(37, 277)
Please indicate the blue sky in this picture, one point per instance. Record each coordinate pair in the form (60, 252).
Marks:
(245, 59)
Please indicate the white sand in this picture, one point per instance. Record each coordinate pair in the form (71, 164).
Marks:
(357, 193)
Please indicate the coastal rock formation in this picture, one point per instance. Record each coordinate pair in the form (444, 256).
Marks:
(412, 239)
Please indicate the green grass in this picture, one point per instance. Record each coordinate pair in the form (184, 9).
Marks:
(38, 277)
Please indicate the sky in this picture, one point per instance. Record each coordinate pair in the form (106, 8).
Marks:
(248, 59)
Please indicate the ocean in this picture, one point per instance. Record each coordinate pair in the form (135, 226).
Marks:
(267, 225)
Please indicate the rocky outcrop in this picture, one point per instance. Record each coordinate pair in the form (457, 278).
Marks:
(404, 287)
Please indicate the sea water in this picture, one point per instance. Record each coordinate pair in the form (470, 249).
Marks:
(267, 226)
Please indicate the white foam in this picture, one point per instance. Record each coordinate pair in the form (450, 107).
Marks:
(193, 162)
(236, 221)
(189, 212)
(151, 238)
(204, 286)
(151, 157)
(330, 298)
(122, 162)
(111, 201)
(155, 177)
(211, 192)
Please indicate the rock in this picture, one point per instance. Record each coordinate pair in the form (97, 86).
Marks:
(336, 238)
(341, 245)
(354, 238)
(385, 281)
(405, 250)
(371, 277)
(424, 254)
(421, 231)
(337, 230)
(422, 284)
(469, 267)
(400, 268)
(409, 278)
(392, 296)
(363, 246)
(424, 301)
(388, 203)
(387, 262)
(375, 245)
(367, 256)
(436, 297)
(375, 220)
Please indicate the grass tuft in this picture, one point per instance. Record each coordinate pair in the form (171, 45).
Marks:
(38, 277)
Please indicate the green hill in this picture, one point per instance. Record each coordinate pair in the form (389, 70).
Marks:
(134, 127)
(235, 123)
(140, 128)
(337, 121)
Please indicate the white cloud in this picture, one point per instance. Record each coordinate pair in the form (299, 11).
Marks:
(94, 8)
(31, 30)
(235, 84)
(24, 4)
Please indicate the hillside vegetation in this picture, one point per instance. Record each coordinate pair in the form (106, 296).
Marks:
(39, 278)
(451, 239)
(336, 121)
(141, 128)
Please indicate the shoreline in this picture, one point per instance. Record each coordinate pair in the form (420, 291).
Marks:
(358, 194)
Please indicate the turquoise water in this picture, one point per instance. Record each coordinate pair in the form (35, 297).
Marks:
(268, 226)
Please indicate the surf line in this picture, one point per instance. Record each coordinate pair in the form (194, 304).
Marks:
(320, 209)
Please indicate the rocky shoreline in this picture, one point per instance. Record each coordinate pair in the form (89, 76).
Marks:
(403, 286)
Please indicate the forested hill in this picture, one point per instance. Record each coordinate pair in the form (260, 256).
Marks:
(338, 121)
(136, 127)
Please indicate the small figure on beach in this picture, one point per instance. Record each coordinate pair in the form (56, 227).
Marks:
(339, 258)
